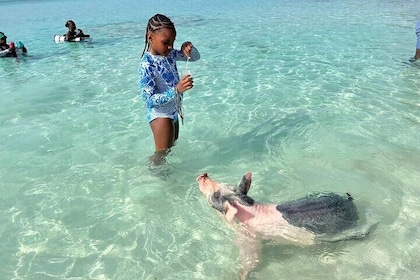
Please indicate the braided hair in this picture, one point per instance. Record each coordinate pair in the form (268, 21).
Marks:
(155, 23)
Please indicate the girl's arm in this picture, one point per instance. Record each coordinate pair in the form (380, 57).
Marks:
(147, 87)
(187, 48)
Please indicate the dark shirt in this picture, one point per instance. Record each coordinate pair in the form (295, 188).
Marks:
(12, 53)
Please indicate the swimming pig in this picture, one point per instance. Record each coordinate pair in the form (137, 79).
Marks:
(298, 222)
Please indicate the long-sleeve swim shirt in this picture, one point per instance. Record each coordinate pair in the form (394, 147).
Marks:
(158, 77)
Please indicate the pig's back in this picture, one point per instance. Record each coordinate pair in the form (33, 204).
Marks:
(321, 213)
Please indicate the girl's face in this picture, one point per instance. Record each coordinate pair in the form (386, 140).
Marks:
(161, 42)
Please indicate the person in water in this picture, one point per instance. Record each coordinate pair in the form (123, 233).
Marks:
(73, 32)
(161, 88)
(10, 50)
(417, 55)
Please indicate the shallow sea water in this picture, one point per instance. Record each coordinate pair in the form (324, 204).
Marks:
(307, 95)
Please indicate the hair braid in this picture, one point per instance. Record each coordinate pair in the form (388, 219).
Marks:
(155, 23)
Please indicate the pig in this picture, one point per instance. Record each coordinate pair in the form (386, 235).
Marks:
(302, 222)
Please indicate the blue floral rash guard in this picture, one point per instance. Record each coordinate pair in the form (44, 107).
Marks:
(158, 79)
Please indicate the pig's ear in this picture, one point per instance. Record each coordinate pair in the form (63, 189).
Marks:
(230, 211)
(244, 184)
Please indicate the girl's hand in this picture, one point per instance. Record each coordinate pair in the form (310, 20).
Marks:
(185, 84)
(186, 49)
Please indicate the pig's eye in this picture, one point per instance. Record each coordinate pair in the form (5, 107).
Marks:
(216, 201)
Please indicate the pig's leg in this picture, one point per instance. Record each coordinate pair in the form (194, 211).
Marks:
(249, 254)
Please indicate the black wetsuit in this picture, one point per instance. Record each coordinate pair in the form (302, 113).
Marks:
(10, 54)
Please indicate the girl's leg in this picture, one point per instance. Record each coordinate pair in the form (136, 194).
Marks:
(176, 125)
(164, 132)
(417, 55)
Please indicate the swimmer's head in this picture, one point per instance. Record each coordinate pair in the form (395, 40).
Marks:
(70, 24)
(2, 36)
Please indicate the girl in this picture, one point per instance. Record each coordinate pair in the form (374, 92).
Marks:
(417, 55)
(161, 88)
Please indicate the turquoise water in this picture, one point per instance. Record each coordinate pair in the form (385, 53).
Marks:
(307, 95)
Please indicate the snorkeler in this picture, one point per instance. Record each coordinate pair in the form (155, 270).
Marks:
(11, 49)
(73, 32)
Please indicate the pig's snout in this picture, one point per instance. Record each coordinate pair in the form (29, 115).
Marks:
(205, 184)
(202, 176)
